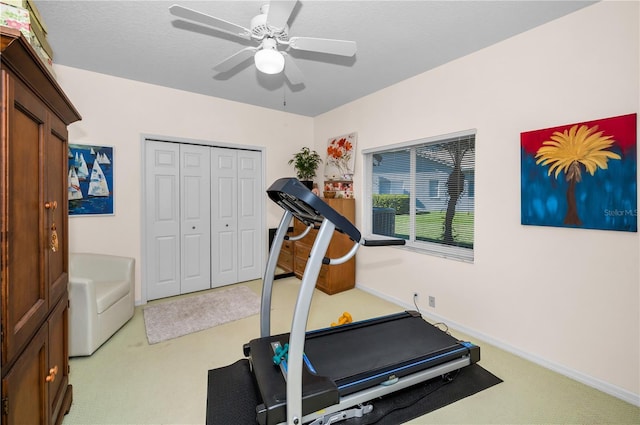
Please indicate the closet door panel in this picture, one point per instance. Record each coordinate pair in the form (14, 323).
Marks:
(248, 261)
(224, 211)
(162, 182)
(195, 223)
(249, 215)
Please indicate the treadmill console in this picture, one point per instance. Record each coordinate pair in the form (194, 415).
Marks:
(296, 198)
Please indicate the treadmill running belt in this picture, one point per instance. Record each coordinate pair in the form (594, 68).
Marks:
(369, 355)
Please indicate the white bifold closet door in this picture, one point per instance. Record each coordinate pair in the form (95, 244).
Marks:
(235, 215)
(203, 217)
(178, 246)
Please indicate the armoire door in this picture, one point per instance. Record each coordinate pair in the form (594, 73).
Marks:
(26, 305)
(56, 206)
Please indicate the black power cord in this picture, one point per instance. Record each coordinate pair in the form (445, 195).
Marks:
(441, 325)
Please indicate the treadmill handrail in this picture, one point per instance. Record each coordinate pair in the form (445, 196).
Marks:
(270, 271)
(299, 321)
(383, 242)
(301, 235)
(344, 258)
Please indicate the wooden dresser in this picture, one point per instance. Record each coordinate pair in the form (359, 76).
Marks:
(332, 279)
(33, 203)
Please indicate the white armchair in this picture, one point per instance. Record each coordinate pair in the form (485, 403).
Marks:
(101, 299)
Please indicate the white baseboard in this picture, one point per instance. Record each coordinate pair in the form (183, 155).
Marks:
(598, 384)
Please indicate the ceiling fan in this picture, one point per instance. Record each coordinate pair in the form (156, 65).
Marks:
(270, 29)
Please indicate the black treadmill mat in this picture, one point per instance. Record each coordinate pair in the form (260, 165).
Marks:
(232, 396)
(410, 403)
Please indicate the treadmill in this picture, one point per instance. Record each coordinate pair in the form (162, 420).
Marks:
(328, 375)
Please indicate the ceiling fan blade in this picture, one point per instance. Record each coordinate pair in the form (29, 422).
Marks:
(217, 23)
(324, 45)
(279, 12)
(291, 70)
(235, 59)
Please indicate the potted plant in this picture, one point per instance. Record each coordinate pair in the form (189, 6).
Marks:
(306, 163)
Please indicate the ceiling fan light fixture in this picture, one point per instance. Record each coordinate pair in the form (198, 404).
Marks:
(269, 61)
(270, 28)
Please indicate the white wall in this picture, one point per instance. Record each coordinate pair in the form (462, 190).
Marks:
(565, 298)
(117, 112)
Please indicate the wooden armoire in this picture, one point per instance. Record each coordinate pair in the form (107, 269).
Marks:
(33, 204)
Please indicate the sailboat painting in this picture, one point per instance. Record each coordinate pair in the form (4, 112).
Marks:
(90, 180)
(98, 183)
(74, 184)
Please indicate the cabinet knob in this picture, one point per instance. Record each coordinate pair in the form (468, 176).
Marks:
(51, 205)
(52, 374)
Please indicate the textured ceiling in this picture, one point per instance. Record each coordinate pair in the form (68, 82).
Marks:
(141, 40)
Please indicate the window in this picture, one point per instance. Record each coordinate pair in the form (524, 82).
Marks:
(423, 191)
(434, 186)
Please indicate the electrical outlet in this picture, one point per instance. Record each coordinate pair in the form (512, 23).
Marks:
(432, 301)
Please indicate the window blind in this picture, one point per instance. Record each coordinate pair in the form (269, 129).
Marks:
(423, 192)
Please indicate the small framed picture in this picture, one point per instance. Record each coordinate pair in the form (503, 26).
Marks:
(341, 158)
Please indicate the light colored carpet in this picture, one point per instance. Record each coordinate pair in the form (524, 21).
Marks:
(198, 312)
(127, 381)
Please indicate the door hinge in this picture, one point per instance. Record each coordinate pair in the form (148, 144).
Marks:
(5, 406)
